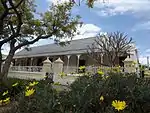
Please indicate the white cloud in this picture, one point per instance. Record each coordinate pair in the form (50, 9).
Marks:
(42, 42)
(143, 60)
(147, 51)
(144, 55)
(58, 1)
(113, 7)
(142, 26)
(86, 31)
(5, 49)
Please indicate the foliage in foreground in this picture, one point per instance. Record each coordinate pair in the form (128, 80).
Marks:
(86, 93)
(14, 87)
(90, 94)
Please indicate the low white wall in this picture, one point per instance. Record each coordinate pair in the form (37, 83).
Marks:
(67, 80)
(26, 75)
(39, 76)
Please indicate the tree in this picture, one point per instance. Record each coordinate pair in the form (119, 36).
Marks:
(112, 46)
(19, 27)
(90, 3)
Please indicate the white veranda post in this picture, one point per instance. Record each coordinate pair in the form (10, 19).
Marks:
(137, 64)
(102, 58)
(31, 62)
(78, 58)
(68, 58)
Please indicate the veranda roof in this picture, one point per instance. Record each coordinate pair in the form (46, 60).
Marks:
(75, 47)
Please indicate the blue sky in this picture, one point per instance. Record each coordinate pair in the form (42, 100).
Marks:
(131, 17)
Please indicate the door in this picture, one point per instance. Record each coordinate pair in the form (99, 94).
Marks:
(82, 63)
(39, 62)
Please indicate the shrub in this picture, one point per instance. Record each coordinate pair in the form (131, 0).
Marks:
(13, 87)
(90, 94)
(86, 92)
(10, 91)
(43, 99)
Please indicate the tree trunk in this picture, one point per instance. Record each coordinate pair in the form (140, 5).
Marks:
(1, 62)
(1, 26)
(6, 66)
(116, 61)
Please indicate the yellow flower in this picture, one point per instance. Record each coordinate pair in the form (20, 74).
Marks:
(116, 69)
(27, 87)
(5, 93)
(134, 62)
(119, 105)
(36, 83)
(7, 100)
(100, 72)
(15, 84)
(62, 74)
(33, 84)
(1, 101)
(107, 77)
(82, 67)
(57, 83)
(29, 92)
(101, 98)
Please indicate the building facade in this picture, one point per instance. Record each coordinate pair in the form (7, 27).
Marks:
(73, 55)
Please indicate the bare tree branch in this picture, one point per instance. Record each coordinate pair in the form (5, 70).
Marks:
(33, 41)
(113, 46)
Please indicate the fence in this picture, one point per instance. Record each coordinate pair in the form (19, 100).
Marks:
(26, 68)
(26, 75)
(67, 70)
(38, 72)
(57, 67)
(92, 69)
(26, 72)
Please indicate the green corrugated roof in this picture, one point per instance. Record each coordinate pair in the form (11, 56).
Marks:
(75, 47)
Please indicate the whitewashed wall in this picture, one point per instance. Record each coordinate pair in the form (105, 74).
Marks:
(26, 75)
